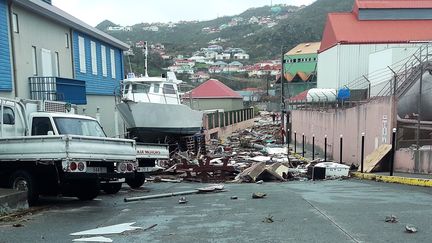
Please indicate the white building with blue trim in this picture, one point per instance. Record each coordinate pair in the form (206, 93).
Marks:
(47, 54)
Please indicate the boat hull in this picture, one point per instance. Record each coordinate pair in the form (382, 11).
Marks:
(154, 122)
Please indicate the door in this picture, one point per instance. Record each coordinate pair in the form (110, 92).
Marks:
(47, 72)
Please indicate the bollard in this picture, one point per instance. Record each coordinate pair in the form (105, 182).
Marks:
(313, 146)
(303, 145)
(288, 139)
(295, 142)
(340, 152)
(362, 152)
(325, 148)
(393, 151)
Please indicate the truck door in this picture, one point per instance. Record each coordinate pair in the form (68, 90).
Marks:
(41, 126)
(8, 124)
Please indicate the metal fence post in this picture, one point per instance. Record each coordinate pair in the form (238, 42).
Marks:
(393, 152)
(313, 146)
(303, 145)
(295, 142)
(362, 153)
(325, 148)
(341, 147)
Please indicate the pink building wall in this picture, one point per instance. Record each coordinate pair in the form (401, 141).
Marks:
(375, 118)
(413, 161)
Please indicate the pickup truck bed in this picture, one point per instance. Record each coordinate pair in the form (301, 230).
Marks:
(66, 147)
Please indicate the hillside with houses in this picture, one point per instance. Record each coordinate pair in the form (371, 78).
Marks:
(245, 46)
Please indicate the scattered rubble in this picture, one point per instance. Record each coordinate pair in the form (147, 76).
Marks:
(113, 229)
(182, 200)
(258, 195)
(268, 219)
(410, 228)
(94, 239)
(391, 219)
(211, 188)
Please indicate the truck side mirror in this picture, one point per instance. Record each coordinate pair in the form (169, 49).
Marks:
(50, 133)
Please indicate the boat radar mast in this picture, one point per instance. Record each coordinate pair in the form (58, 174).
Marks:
(145, 60)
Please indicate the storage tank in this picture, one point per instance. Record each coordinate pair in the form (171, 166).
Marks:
(408, 103)
(321, 95)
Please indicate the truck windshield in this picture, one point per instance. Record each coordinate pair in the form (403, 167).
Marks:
(76, 126)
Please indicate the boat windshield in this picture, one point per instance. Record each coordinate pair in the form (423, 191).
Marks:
(78, 126)
(140, 88)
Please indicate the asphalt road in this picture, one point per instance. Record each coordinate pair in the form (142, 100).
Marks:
(326, 211)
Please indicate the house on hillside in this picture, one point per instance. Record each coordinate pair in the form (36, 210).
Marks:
(300, 64)
(241, 56)
(213, 95)
(47, 54)
(374, 35)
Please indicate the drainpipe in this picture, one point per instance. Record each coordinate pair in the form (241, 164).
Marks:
(14, 71)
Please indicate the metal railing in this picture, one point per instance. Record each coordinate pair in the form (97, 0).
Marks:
(227, 118)
(43, 88)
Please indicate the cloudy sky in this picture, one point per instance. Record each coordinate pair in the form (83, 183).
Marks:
(129, 12)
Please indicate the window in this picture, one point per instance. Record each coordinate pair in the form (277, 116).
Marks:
(41, 126)
(140, 88)
(75, 126)
(113, 64)
(168, 89)
(56, 64)
(93, 57)
(67, 40)
(156, 88)
(8, 116)
(34, 59)
(15, 23)
(82, 54)
(104, 61)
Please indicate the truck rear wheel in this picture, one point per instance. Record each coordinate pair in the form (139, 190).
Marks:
(24, 181)
(111, 188)
(137, 181)
(88, 190)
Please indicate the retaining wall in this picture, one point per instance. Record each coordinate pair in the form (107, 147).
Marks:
(376, 118)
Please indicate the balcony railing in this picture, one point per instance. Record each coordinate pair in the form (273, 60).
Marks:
(58, 89)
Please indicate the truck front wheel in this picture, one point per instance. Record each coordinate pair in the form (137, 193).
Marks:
(111, 188)
(24, 181)
(88, 190)
(137, 181)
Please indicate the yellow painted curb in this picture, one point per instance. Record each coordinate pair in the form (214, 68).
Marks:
(394, 179)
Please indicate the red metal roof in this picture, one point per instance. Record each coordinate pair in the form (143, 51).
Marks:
(300, 97)
(345, 28)
(213, 89)
(386, 4)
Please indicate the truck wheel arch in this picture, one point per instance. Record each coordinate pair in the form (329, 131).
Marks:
(25, 181)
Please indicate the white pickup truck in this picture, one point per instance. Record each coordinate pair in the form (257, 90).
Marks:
(49, 153)
(147, 155)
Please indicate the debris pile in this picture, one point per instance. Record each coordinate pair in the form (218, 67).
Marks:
(247, 156)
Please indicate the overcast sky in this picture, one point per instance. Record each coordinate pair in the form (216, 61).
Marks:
(129, 12)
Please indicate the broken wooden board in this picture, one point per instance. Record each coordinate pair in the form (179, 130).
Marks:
(373, 160)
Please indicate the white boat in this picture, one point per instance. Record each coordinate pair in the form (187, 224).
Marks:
(152, 109)
(153, 112)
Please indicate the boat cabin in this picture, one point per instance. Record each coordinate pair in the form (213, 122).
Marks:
(151, 90)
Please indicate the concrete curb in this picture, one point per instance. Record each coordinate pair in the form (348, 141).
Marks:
(394, 179)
